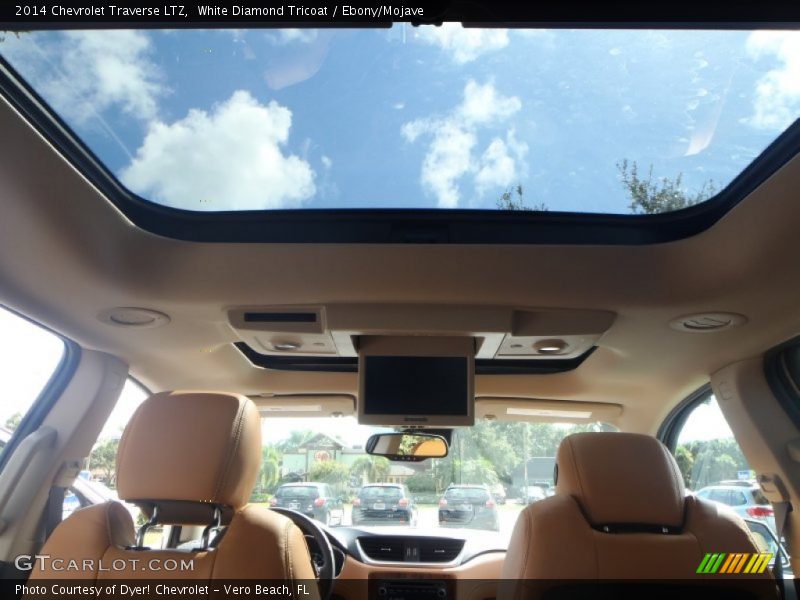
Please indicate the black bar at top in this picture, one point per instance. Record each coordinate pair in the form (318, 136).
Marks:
(318, 13)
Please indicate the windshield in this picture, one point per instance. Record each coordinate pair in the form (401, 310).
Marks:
(603, 121)
(483, 483)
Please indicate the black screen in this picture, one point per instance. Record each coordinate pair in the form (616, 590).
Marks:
(416, 385)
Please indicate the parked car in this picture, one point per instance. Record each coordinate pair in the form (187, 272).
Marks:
(70, 505)
(744, 498)
(313, 499)
(384, 503)
(469, 506)
(532, 494)
(83, 493)
(767, 542)
(499, 493)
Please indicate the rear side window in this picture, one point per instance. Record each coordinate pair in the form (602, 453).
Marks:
(467, 494)
(722, 496)
(297, 492)
(709, 455)
(383, 493)
(29, 356)
(738, 499)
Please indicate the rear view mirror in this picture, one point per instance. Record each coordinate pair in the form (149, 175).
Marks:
(413, 447)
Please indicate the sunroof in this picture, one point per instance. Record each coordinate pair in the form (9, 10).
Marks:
(597, 121)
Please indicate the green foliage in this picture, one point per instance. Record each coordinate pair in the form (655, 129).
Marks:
(13, 421)
(478, 471)
(685, 460)
(513, 200)
(651, 196)
(330, 472)
(647, 195)
(372, 469)
(713, 461)
(270, 473)
(295, 440)
(423, 482)
(104, 459)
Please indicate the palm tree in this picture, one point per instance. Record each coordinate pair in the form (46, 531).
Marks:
(295, 440)
(370, 469)
(270, 472)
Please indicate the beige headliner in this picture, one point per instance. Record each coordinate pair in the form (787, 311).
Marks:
(66, 254)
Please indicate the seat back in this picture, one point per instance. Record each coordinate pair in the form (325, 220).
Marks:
(188, 459)
(620, 513)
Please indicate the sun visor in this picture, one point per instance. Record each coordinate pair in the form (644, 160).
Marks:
(305, 405)
(545, 411)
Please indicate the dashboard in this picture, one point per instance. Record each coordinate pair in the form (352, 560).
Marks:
(384, 563)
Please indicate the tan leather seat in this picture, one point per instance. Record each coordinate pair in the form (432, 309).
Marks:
(620, 512)
(184, 454)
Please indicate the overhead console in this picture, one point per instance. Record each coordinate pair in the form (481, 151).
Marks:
(333, 333)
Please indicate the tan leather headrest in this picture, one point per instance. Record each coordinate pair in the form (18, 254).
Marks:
(621, 478)
(191, 446)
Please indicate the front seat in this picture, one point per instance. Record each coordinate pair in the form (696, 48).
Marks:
(191, 457)
(620, 512)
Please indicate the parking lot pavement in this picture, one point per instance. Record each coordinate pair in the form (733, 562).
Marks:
(428, 517)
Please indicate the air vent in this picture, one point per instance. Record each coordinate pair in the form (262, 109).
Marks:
(433, 550)
(411, 549)
(707, 322)
(382, 548)
(280, 317)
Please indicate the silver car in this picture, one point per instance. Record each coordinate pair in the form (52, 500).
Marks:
(745, 499)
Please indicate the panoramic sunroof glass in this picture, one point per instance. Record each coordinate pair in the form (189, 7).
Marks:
(603, 121)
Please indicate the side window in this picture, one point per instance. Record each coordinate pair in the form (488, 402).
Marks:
(29, 356)
(102, 462)
(737, 498)
(722, 496)
(708, 454)
(97, 482)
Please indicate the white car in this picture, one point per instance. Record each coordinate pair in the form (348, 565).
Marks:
(745, 499)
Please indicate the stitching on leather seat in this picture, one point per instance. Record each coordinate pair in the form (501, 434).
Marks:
(233, 447)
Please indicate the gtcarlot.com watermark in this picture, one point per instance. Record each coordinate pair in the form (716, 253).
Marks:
(26, 562)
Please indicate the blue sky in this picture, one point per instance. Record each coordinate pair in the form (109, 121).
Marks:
(413, 117)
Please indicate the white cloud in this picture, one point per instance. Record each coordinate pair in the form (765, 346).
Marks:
(326, 162)
(95, 71)
(777, 94)
(452, 153)
(448, 159)
(482, 104)
(230, 158)
(281, 37)
(500, 163)
(463, 44)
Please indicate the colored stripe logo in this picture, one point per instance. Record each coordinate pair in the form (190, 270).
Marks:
(745, 563)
